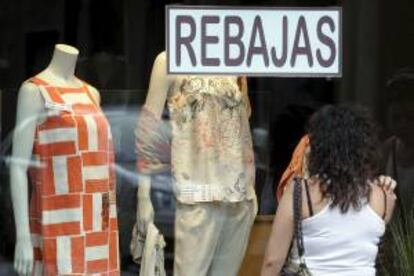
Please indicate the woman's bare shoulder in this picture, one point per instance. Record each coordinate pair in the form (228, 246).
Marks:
(381, 201)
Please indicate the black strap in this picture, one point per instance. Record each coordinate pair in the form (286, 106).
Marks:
(310, 207)
(297, 215)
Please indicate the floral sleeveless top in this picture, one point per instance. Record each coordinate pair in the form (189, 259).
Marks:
(210, 150)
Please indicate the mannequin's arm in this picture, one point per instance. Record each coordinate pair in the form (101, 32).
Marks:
(29, 108)
(155, 101)
(145, 210)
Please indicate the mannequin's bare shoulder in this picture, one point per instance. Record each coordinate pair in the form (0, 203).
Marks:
(160, 64)
(29, 87)
(161, 57)
(160, 84)
(29, 97)
(160, 67)
(95, 93)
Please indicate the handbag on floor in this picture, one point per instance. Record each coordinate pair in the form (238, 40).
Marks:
(290, 268)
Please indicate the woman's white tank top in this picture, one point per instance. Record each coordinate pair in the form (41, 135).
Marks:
(342, 244)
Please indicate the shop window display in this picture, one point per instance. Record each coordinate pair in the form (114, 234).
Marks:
(240, 132)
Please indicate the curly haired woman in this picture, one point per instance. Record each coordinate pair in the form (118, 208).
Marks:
(345, 212)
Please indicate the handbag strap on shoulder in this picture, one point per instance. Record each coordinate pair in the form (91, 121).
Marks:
(297, 215)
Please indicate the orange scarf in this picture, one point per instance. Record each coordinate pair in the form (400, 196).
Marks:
(295, 168)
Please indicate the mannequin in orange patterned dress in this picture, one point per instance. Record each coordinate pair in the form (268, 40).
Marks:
(63, 140)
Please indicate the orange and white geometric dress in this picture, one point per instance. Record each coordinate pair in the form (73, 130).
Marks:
(73, 218)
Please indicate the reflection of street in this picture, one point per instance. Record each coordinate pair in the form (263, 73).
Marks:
(6, 268)
(123, 122)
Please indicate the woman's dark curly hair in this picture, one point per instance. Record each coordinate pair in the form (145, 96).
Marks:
(344, 153)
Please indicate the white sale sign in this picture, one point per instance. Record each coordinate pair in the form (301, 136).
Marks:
(253, 41)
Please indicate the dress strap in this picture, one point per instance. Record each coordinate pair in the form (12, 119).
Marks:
(38, 81)
(49, 92)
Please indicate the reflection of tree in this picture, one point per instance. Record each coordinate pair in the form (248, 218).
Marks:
(399, 249)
